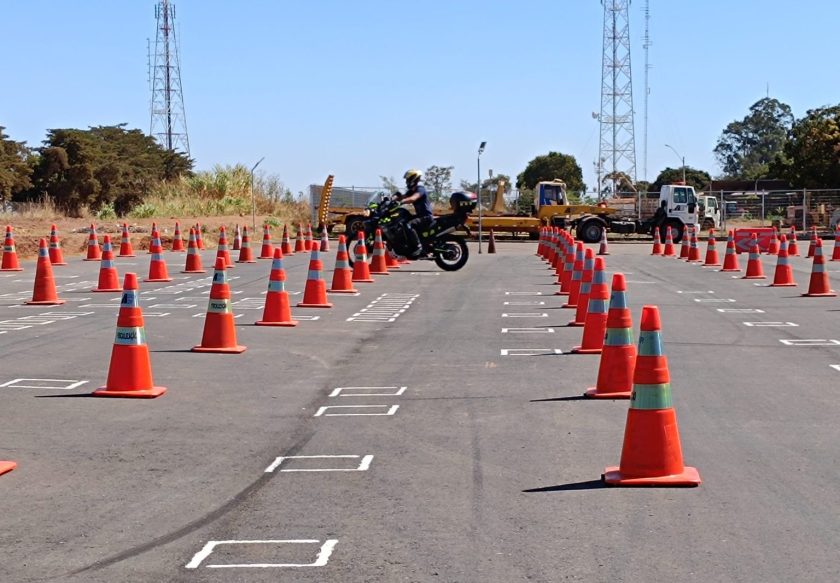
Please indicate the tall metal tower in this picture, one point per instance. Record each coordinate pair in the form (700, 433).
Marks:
(648, 67)
(168, 120)
(618, 142)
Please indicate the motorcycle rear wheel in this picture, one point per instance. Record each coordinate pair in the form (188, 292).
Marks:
(451, 253)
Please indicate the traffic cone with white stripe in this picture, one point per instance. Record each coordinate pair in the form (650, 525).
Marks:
(793, 249)
(246, 254)
(754, 267)
(222, 249)
(94, 253)
(56, 256)
(773, 246)
(835, 256)
(577, 275)
(377, 261)
(568, 269)
(618, 354)
(219, 329)
(595, 325)
(342, 282)
(730, 260)
(308, 238)
(130, 371)
(685, 243)
(177, 239)
(657, 243)
(267, 250)
(199, 239)
(541, 243)
(693, 249)
(585, 285)
(559, 261)
(783, 276)
(193, 258)
(819, 286)
(126, 249)
(361, 269)
(813, 242)
(44, 292)
(652, 453)
(157, 266)
(109, 280)
(603, 248)
(285, 244)
(669, 243)
(325, 241)
(237, 239)
(391, 260)
(300, 244)
(10, 259)
(712, 259)
(154, 230)
(315, 292)
(277, 311)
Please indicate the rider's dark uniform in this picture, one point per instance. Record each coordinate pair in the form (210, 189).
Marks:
(422, 220)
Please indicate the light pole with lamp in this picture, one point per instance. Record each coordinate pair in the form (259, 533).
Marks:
(682, 158)
(478, 187)
(253, 198)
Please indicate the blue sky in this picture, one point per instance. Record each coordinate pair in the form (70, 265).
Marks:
(372, 87)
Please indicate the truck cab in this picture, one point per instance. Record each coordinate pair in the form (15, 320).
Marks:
(550, 193)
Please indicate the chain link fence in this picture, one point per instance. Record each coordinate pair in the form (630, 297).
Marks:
(801, 209)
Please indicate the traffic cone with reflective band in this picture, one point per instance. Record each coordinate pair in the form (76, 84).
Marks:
(325, 241)
(177, 239)
(130, 371)
(315, 292)
(657, 243)
(813, 243)
(277, 311)
(126, 249)
(56, 256)
(595, 324)
(44, 292)
(603, 248)
(685, 243)
(577, 277)
(222, 249)
(754, 267)
(693, 250)
(819, 286)
(712, 259)
(361, 270)
(651, 454)
(10, 259)
(669, 243)
(559, 262)
(267, 250)
(618, 354)
(219, 329)
(94, 253)
(793, 249)
(109, 280)
(377, 260)
(308, 237)
(491, 243)
(342, 282)
(246, 254)
(154, 230)
(285, 244)
(835, 256)
(585, 286)
(541, 243)
(237, 239)
(553, 248)
(391, 260)
(568, 271)
(157, 265)
(199, 240)
(783, 277)
(730, 260)
(193, 258)
(300, 244)
(773, 246)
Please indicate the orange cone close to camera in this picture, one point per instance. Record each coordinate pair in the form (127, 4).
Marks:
(315, 292)
(44, 292)
(712, 259)
(783, 276)
(277, 310)
(657, 243)
(285, 244)
(126, 249)
(730, 260)
(819, 286)
(585, 286)
(193, 258)
(618, 354)
(56, 256)
(342, 282)
(754, 267)
(94, 253)
(109, 280)
(246, 254)
(177, 239)
(651, 454)
(157, 265)
(219, 329)
(595, 325)
(377, 260)
(669, 243)
(361, 269)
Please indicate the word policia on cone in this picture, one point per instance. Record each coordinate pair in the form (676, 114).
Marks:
(277, 311)
(219, 327)
(651, 454)
(44, 291)
(56, 255)
(130, 371)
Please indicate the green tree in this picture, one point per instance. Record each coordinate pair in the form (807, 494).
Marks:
(693, 177)
(439, 181)
(812, 153)
(551, 166)
(15, 171)
(746, 148)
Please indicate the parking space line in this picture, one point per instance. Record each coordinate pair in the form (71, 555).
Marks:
(343, 392)
(321, 559)
(322, 411)
(363, 466)
(530, 351)
(527, 330)
(810, 342)
(770, 324)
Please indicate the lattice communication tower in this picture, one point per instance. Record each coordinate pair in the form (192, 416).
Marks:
(168, 119)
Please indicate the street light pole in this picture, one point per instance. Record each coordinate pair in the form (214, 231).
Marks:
(682, 158)
(253, 198)
(478, 187)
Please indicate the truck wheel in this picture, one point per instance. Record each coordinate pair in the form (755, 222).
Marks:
(676, 231)
(590, 231)
(353, 225)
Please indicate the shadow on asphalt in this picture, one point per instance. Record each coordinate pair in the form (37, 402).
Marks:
(574, 398)
(588, 485)
(173, 350)
(73, 396)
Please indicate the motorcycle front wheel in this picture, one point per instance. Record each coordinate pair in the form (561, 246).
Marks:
(451, 253)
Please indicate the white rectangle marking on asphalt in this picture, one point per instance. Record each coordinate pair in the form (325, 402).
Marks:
(323, 411)
(696, 292)
(526, 315)
(321, 559)
(99, 306)
(835, 366)
(305, 317)
(810, 342)
(522, 293)
(530, 351)
(377, 391)
(714, 300)
(363, 466)
(155, 314)
(527, 330)
(523, 303)
(173, 306)
(740, 311)
(770, 324)
(55, 384)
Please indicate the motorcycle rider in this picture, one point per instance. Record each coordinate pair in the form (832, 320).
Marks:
(416, 195)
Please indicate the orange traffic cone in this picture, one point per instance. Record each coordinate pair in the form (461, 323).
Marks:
(783, 277)
(813, 243)
(361, 270)
(603, 248)
(568, 269)
(541, 243)
(595, 325)
(222, 249)
(157, 265)
(199, 240)
(657, 242)
(94, 253)
(651, 454)
(669, 243)
(237, 239)
(219, 329)
(7, 466)
(585, 285)
(819, 286)
(308, 237)
(730, 260)
(300, 244)
(685, 244)
(177, 239)
(325, 241)
(793, 249)
(491, 243)
(277, 311)
(126, 250)
(44, 293)
(577, 275)
(754, 268)
(559, 256)
(286, 245)
(773, 246)
(56, 256)
(154, 230)
(618, 354)
(712, 259)
(109, 280)
(246, 255)
(342, 282)
(835, 256)
(391, 260)
(377, 261)
(315, 292)
(193, 258)
(551, 247)
(130, 371)
(693, 250)
(267, 250)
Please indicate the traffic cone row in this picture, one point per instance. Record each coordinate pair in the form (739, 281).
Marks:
(109, 280)
(595, 324)
(56, 256)
(246, 254)
(94, 253)
(126, 250)
(618, 354)
(193, 258)
(585, 285)
(177, 239)
(267, 250)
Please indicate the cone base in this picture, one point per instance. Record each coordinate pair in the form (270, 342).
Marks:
(829, 294)
(157, 280)
(271, 256)
(246, 261)
(13, 269)
(194, 271)
(601, 254)
(54, 264)
(754, 277)
(690, 477)
(225, 350)
(7, 467)
(568, 306)
(575, 324)
(730, 270)
(379, 273)
(782, 285)
(342, 291)
(92, 259)
(138, 394)
(593, 393)
(290, 323)
(118, 256)
(45, 302)
(102, 290)
(363, 280)
(304, 305)
(711, 265)
(582, 350)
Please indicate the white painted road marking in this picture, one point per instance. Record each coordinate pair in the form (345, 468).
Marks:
(527, 330)
(323, 411)
(713, 300)
(770, 324)
(321, 559)
(696, 292)
(523, 303)
(529, 351)
(810, 342)
(56, 384)
(740, 311)
(363, 466)
(343, 392)
(522, 293)
(526, 315)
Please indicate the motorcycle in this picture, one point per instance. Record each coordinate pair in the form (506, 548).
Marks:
(439, 241)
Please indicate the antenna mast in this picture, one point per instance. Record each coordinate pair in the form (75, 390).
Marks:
(168, 120)
(648, 67)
